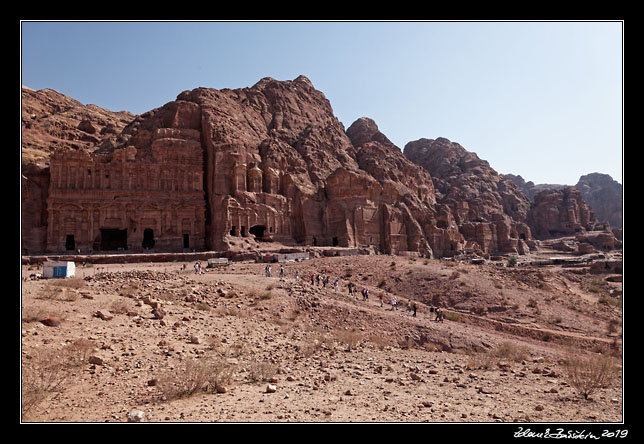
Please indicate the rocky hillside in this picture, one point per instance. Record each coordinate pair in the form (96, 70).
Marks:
(488, 208)
(604, 195)
(530, 189)
(600, 191)
(52, 120)
(276, 157)
(156, 342)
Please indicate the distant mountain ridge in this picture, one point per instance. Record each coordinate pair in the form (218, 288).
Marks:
(600, 191)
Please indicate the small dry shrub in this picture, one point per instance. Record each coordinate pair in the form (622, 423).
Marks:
(230, 311)
(62, 289)
(75, 283)
(380, 341)
(406, 343)
(49, 372)
(261, 371)
(613, 326)
(32, 314)
(203, 306)
(129, 290)
(119, 307)
(587, 376)
(206, 374)
(314, 344)
(482, 360)
(511, 351)
(351, 338)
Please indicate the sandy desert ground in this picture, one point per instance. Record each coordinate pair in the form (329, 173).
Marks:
(158, 343)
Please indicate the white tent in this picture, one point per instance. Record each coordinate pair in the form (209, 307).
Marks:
(58, 269)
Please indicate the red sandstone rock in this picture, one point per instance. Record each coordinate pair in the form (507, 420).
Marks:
(558, 213)
(489, 210)
(228, 169)
(52, 321)
(52, 120)
(604, 195)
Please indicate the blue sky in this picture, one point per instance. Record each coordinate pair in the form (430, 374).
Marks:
(540, 99)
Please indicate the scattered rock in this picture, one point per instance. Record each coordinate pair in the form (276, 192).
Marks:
(104, 315)
(158, 313)
(135, 416)
(95, 360)
(52, 321)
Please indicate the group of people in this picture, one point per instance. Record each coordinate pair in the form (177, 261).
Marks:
(323, 278)
(353, 291)
(268, 270)
(198, 268)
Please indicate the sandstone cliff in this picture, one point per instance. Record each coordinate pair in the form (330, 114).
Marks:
(232, 169)
(488, 209)
(52, 120)
(530, 189)
(600, 191)
(557, 213)
(49, 121)
(604, 195)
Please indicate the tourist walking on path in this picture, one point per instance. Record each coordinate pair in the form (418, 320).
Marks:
(335, 285)
(281, 271)
(415, 308)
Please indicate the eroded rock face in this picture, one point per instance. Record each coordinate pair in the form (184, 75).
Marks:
(604, 195)
(557, 213)
(600, 191)
(488, 209)
(147, 196)
(51, 120)
(227, 169)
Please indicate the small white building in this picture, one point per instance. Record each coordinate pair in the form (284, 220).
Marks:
(58, 269)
